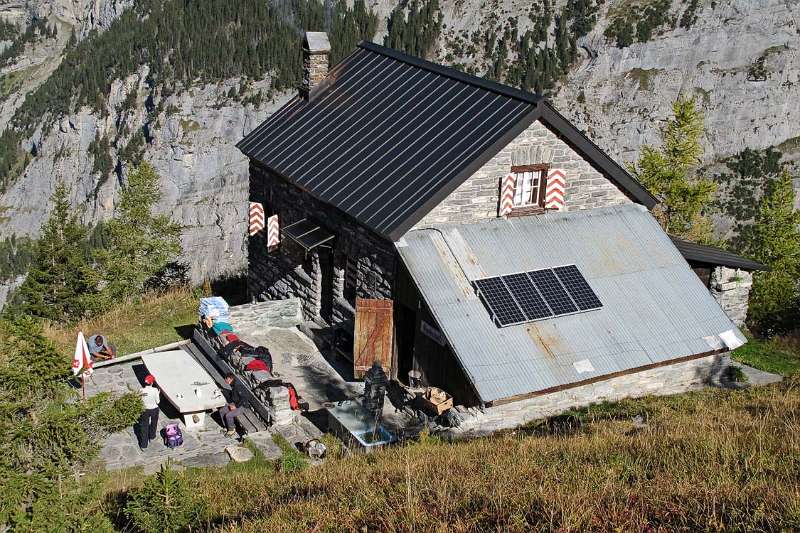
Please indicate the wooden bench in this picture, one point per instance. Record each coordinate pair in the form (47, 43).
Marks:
(258, 417)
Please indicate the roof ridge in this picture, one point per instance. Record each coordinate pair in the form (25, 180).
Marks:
(450, 72)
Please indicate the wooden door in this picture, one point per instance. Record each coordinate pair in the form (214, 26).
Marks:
(372, 340)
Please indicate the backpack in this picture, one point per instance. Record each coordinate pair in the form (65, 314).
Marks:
(172, 435)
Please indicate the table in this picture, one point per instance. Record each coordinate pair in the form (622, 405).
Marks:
(185, 384)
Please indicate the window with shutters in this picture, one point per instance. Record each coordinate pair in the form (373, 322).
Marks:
(529, 186)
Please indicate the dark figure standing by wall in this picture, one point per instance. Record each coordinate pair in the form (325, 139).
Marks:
(148, 421)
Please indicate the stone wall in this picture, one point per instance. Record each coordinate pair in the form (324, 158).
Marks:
(671, 379)
(731, 288)
(478, 197)
(291, 272)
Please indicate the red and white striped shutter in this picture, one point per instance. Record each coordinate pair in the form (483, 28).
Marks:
(506, 195)
(273, 232)
(256, 218)
(554, 193)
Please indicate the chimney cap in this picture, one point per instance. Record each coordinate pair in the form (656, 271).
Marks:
(317, 42)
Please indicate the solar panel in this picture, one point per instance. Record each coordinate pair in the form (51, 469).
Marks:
(552, 291)
(499, 302)
(527, 296)
(578, 288)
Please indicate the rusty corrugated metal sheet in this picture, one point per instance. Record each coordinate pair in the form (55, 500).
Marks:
(654, 307)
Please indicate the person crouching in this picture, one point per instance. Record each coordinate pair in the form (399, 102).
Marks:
(148, 421)
(236, 402)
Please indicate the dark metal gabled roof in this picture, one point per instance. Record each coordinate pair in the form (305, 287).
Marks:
(709, 255)
(388, 136)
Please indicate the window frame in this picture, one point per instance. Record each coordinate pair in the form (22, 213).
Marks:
(538, 207)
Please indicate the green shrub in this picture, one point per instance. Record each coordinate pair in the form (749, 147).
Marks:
(292, 459)
(115, 414)
(164, 504)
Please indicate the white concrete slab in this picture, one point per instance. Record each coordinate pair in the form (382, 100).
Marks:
(184, 382)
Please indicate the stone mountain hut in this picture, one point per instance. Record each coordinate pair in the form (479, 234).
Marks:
(465, 233)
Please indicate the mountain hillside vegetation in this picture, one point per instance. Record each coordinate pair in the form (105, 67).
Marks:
(711, 460)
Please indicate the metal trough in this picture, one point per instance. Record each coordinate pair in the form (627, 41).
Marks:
(353, 424)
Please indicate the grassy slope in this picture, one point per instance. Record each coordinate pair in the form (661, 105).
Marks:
(781, 356)
(706, 460)
(137, 326)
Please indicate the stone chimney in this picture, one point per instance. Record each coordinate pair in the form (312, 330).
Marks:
(316, 51)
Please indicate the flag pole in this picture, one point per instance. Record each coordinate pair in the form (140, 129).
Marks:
(83, 385)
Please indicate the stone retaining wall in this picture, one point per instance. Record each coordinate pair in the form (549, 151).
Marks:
(478, 197)
(671, 379)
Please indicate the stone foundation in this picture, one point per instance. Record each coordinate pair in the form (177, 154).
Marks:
(671, 379)
(731, 288)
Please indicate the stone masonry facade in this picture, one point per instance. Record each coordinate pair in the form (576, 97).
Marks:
(731, 288)
(361, 259)
(664, 380)
(478, 197)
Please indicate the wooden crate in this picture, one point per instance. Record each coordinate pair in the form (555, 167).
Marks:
(436, 400)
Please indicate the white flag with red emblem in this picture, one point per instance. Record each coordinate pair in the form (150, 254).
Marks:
(82, 360)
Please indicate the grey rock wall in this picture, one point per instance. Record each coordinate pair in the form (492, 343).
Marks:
(623, 97)
(203, 175)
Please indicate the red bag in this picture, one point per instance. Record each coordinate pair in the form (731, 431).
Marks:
(256, 364)
(293, 403)
(229, 336)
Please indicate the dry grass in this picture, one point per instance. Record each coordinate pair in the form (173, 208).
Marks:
(709, 460)
(137, 325)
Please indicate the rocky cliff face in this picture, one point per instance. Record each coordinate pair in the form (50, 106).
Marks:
(192, 146)
(740, 58)
(622, 96)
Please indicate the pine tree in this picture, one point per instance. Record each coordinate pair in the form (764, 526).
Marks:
(165, 503)
(139, 243)
(774, 240)
(58, 281)
(666, 174)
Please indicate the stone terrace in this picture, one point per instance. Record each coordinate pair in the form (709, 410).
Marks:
(205, 447)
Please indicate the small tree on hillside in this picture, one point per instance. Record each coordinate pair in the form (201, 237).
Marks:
(774, 239)
(138, 243)
(164, 504)
(666, 174)
(58, 280)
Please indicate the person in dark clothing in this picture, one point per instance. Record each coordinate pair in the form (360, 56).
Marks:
(236, 402)
(148, 421)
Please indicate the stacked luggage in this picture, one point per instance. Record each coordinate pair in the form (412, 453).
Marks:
(253, 364)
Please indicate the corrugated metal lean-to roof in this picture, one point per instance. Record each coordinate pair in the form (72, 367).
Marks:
(655, 309)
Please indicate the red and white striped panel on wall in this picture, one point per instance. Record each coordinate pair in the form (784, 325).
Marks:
(273, 232)
(256, 218)
(554, 194)
(506, 195)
